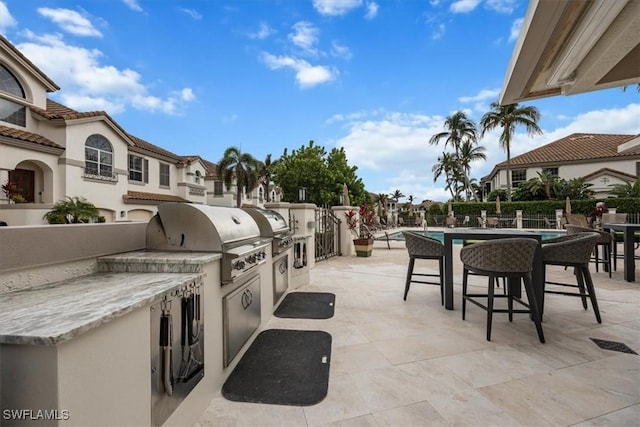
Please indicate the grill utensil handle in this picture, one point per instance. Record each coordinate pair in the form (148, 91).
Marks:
(166, 326)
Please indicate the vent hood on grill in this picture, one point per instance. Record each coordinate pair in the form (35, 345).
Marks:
(190, 227)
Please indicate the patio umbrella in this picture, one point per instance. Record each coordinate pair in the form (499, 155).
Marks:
(450, 209)
(567, 206)
(498, 211)
(345, 196)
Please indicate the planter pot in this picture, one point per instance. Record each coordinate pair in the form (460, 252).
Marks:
(364, 247)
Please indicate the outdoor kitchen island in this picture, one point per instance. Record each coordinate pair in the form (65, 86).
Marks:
(91, 349)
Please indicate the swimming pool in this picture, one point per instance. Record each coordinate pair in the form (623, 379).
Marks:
(439, 235)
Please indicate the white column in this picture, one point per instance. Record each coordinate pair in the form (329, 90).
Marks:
(346, 236)
(519, 218)
(559, 213)
(4, 178)
(483, 215)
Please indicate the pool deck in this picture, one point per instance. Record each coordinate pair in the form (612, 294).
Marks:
(413, 363)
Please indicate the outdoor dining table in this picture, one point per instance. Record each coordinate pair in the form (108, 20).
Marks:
(629, 255)
(451, 234)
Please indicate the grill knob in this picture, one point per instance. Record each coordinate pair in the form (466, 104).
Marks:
(240, 265)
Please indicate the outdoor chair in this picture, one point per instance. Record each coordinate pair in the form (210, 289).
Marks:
(573, 250)
(618, 236)
(577, 219)
(451, 221)
(420, 246)
(492, 222)
(511, 258)
(605, 241)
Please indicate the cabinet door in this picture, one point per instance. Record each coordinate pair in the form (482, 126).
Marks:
(242, 317)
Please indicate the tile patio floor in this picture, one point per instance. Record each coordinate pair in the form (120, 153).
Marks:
(413, 363)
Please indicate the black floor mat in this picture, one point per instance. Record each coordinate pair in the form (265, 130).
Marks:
(282, 367)
(307, 305)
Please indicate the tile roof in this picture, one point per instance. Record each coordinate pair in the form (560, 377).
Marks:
(608, 171)
(576, 147)
(22, 135)
(145, 145)
(212, 168)
(56, 110)
(43, 76)
(152, 197)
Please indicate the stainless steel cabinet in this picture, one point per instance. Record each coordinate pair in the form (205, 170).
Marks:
(241, 317)
(280, 277)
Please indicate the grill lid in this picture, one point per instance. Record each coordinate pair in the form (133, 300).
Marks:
(269, 222)
(191, 227)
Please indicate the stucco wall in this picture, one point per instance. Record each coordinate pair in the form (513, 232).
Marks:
(36, 255)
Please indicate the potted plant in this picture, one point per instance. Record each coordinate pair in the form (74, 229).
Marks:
(358, 222)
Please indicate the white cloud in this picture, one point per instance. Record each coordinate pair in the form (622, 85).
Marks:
(340, 50)
(133, 5)
(70, 21)
(502, 6)
(515, 29)
(90, 85)
(263, 32)
(305, 36)
(438, 32)
(372, 10)
(6, 19)
(483, 95)
(397, 143)
(335, 7)
(192, 13)
(187, 94)
(615, 121)
(307, 75)
(463, 6)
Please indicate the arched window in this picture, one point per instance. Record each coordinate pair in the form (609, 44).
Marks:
(98, 156)
(11, 112)
(197, 177)
(260, 193)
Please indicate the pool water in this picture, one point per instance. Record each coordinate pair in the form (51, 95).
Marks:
(439, 235)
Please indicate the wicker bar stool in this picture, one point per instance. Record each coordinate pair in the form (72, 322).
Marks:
(511, 258)
(420, 246)
(605, 241)
(573, 250)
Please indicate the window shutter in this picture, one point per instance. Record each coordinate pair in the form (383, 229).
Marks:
(145, 170)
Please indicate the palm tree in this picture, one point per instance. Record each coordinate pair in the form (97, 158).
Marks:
(265, 170)
(508, 117)
(397, 195)
(72, 210)
(468, 154)
(381, 201)
(459, 129)
(449, 166)
(545, 182)
(241, 166)
(627, 189)
(410, 200)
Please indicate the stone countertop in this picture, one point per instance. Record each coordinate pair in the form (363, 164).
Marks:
(54, 313)
(157, 262)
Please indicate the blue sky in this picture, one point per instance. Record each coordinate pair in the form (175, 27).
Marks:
(375, 77)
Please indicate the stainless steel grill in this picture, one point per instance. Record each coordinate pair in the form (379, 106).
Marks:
(272, 225)
(202, 228)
